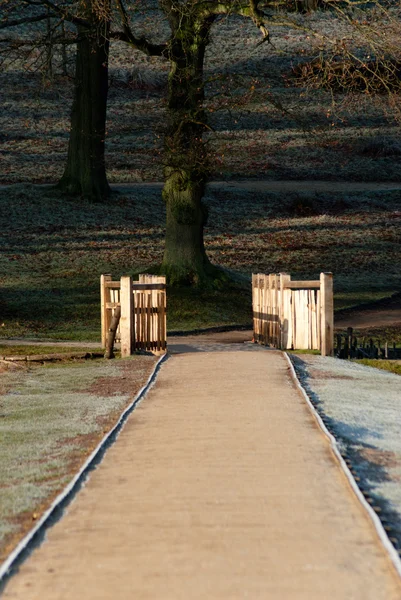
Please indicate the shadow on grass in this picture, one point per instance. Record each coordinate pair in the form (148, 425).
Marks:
(73, 312)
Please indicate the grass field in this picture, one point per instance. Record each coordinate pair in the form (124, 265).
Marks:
(393, 366)
(262, 124)
(50, 419)
(54, 250)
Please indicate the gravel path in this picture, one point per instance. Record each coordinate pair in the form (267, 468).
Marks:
(221, 485)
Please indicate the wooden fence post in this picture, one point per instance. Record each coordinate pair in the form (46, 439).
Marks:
(127, 316)
(161, 316)
(283, 317)
(327, 314)
(104, 314)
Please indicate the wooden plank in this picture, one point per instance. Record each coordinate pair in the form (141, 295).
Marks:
(258, 298)
(283, 317)
(140, 320)
(138, 298)
(115, 285)
(148, 286)
(314, 321)
(159, 329)
(271, 309)
(153, 328)
(304, 304)
(143, 320)
(276, 326)
(165, 318)
(268, 309)
(288, 317)
(306, 318)
(163, 321)
(263, 320)
(254, 307)
(105, 315)
(327, 314)
(112, 305)
(302, 285)
(127, 317)
(293, 321)
(155, 301)
(307, 334)
(258, 307)
(298, 319)
(161, 312)
(149, 318)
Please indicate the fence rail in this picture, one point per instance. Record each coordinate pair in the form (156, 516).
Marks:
(142, 303)
(289, 314)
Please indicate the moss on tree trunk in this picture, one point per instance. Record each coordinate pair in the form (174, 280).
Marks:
(85, 172)
(185, 260)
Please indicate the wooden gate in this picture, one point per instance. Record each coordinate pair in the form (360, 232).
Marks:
(293, 314)
(143, 312)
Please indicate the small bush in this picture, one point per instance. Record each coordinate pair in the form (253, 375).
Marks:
(378, 76)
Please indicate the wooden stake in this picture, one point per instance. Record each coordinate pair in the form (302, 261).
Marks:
(127, 317)
(112, 333)
(327, 314)
(285, 278)
(104, 313)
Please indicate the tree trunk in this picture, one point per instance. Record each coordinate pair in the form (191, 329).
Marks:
(185, 260)
(186, 171)
(85, 172)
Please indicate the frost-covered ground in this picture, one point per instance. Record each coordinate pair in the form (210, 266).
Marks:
(262, 124)
(361, 407)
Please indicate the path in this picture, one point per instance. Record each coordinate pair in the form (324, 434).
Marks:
(266, 185)
(385, 312)
(220, 485)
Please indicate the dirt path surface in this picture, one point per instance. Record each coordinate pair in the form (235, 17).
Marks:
(370, 318)
(382, 313)
(267, 185)
(221, 485)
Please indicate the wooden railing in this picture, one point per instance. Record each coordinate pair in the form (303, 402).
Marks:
(142, 303)
(293, 314)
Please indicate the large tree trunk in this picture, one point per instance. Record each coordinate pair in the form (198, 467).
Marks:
(85, 172)
(185, 260)
(186, 171)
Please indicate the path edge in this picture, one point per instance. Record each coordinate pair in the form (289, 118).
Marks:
(74, 485)
(377, 524)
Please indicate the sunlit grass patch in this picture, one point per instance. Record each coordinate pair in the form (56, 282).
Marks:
(393, 366)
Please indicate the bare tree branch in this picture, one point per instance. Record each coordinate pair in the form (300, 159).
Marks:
(127, 36)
